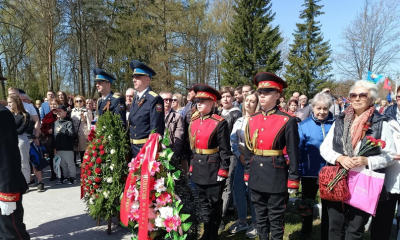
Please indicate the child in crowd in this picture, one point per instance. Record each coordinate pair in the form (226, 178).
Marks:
(64, 144)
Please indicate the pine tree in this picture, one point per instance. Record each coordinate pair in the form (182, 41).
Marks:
(309, 63)
(252, 44)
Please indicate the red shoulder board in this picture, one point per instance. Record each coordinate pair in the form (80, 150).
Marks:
(282, 110)
(217, 117)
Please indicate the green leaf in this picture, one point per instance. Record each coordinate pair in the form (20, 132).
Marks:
(184, 217)
(118, 208)
(176, 236)
(177, 174)
(157, 194)
(186, 226)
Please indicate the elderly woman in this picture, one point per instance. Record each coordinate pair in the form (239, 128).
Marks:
(81, 117)
(312, 132)
(342, 144)
(240, 190)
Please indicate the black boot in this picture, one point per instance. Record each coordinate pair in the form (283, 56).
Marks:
(263, 237)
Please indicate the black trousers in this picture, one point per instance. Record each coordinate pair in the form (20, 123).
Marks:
(346, 222)
(270, 210)
(136, 149)
(309, 189)
(12, 227)
(381, 225)
(210, 198)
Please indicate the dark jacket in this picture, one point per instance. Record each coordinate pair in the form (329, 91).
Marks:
(63, 132)
(22, 123)
(174, 124)
(391, 112)
(312, 133)
(233, 115)
(12, 182)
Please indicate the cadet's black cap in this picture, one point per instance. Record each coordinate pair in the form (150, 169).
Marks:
(62, 107)
(266, 80)
(191, 86)
(140, 68)
(101, 75)
(206, 92)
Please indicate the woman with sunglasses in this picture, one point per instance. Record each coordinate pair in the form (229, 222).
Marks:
(177, 103)
(341, 145)
(81, 118)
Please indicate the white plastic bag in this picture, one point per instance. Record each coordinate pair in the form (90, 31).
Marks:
(56, 165)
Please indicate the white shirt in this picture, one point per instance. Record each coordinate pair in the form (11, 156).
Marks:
(140, 94)
(104, 98)
(377, 161)
(30, 109)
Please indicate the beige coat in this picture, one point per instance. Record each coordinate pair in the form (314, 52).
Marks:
(174, 124)
(83, 116)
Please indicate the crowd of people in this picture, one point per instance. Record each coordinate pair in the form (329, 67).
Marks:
(241, 147)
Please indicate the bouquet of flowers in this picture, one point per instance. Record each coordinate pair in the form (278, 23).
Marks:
(149, 193)
(370, 144)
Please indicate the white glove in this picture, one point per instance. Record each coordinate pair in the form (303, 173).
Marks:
(220, 179)
(7, 207)
(247, 183)
(291, 191)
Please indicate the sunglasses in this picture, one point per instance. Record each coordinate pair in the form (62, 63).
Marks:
(174, 100)
(362, 96)
(78, 100)
(167, 100)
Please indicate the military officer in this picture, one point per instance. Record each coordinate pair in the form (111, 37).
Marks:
(12, 182)
(209, 141)
(108, 101)
(270, 134)
(147, 110)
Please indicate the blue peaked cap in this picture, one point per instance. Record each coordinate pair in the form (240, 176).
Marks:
(101, 75)
(140, 68)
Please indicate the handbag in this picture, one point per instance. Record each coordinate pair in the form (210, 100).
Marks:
(340, 191)
(76, 135)
(37, 159)
(365, 188)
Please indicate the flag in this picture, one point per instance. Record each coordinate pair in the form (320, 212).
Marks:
(387, 85)
(389, 97)
(373, 77)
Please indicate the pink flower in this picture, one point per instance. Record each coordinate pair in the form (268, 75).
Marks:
(151, 227)
(159, 185)
(134, 164)
(172, 223)
(134, 215)
(163, 199)
(155, 167)
(152, 213)
(132, 192)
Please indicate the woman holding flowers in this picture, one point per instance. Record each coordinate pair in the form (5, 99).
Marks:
(351, 132)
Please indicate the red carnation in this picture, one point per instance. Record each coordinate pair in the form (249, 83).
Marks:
(87, 167)
(91, 192)
(90, 182)
(94, 147)
(97, 170)
(383, 143)
(96, 186)
(102, 152)
(97, 179)
(102, 137)
(96, 196)
(89, 173)
(99, 141)
(98, 160)
(95, 154)
(91, 164)
(101, 147)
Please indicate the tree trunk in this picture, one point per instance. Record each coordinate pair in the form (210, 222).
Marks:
(109, 226)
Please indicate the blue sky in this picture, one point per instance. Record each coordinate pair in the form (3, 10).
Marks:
(338, 15)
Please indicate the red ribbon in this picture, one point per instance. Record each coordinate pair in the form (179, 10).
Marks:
(126, 203)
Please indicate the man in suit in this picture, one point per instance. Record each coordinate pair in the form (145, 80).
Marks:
(147, 110)
(12, 182)
(108, 101)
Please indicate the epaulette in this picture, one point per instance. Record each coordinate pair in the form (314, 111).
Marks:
(217, 117)
(195, 115)
(153, 94)
(116, 96)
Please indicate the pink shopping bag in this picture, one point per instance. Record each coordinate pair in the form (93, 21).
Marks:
(365, 187)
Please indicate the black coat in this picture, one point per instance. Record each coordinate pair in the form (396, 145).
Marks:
(63, 131)
(12, 182)
(117, 106)
(22, 123)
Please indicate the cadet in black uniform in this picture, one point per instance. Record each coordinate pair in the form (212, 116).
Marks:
(270, 134)
(147, 110)
(210, 143)
(12, 182)
(108, 101)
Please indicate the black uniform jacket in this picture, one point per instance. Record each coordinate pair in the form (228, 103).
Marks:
(209, 132)
(117, 106)
(146, 115)
(12, 182)
(272, 130)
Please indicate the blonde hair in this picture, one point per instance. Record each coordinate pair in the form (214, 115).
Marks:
(258, 107)
(20, 109)
(181, 102)
(83, 99)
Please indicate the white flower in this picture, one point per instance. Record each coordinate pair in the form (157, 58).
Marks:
(159, 185)
(104, 128)
(109, 137)
(158, 222)
(91, 201)
(112, 151)
(112, 166)
(135, 205)
(86, 194)
(109, 180)
(105, 193)
(166, 212)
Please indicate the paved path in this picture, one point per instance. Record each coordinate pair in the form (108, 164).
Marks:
(58, 213)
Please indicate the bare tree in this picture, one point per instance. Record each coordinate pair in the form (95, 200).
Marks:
(371, 40)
